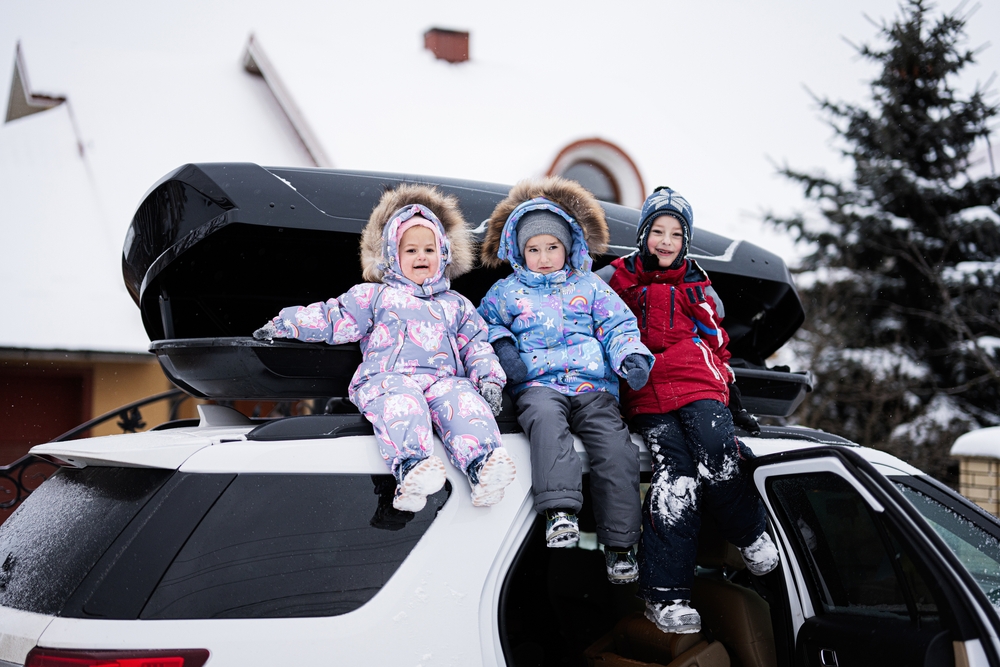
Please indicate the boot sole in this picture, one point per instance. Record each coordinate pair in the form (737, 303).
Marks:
(496, 474)
(619, 579)
(687, 627)
(562, 539)
(425, 478)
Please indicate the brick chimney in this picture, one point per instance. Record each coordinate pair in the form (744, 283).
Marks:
(450, 45)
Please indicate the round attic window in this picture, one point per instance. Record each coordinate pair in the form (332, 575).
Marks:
(595, 178)
(603, 168)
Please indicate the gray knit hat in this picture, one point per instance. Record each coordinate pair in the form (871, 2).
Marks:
(541, 221)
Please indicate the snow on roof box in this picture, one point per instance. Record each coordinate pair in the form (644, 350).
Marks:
(215, 250)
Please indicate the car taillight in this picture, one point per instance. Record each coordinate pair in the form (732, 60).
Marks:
(44, 657)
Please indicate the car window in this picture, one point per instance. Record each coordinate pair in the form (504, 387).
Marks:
(857, 564)
(291, 545)
(54, 538)
(978, 550)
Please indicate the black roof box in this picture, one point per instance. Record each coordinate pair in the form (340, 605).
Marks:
(215, 250)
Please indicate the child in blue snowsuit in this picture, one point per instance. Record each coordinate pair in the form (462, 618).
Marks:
(426, 360)
(564, 339)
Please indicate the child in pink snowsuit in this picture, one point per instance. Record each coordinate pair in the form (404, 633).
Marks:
(426, 360)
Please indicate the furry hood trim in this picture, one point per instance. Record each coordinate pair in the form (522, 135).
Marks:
(374, 247)
(569, 195)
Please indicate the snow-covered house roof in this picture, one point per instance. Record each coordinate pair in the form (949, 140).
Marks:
(700, 99)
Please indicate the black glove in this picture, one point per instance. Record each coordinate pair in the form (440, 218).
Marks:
(741, 417)
(636, 370)
(510, 360)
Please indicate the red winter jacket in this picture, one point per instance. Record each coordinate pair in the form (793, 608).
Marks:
(679, 324)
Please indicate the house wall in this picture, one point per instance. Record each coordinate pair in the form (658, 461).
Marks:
(116, 384)
(45, 394)
(979, 481)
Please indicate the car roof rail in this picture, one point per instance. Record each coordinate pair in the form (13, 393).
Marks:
(800, 433)
(309, 427)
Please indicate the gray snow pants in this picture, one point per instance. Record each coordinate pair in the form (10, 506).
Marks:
(549, 419)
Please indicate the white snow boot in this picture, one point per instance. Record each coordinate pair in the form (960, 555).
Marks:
(418, 478)
(675, 616)
(762, 556)
(490, 477)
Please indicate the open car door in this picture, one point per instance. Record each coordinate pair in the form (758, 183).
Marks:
(869, 580)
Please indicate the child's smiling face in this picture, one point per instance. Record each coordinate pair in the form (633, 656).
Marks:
(666, 238)
(544, 254)
(419, 256)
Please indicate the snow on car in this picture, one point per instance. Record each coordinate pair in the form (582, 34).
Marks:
(230, 541)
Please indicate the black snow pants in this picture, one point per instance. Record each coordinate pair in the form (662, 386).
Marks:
(549, 419)
(696, 460)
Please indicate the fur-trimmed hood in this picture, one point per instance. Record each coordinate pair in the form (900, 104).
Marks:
(586, 219)
(379, 259)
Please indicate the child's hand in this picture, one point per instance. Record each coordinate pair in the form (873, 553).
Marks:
(741, 417)
(746, 421)
(493, 395)
(266, 332)
(635, 368)
(510, 360)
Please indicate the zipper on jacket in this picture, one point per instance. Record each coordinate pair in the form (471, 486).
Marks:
(671, 306)
(643, 301)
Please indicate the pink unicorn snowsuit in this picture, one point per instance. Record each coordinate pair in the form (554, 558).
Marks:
(425, 350)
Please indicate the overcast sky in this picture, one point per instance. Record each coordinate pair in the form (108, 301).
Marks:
(706, 97)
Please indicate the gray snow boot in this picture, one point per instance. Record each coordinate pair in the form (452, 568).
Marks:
(561, 529)
(621, 564)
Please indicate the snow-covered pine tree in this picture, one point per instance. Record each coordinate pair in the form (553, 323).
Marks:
(902, 283)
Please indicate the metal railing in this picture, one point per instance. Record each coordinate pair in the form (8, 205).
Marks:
(20, 478)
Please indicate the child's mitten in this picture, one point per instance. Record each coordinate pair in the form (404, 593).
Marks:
(741, 417)
(493, 395)
(510, 360)
(635, 368)
(266, 332)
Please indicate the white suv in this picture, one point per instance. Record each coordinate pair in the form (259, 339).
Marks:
(229, 541)
(275, 543)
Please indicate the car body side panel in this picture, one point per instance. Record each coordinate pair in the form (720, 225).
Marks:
(19, 632)
(351, 454)
(489, 602)
(437, 607)
(150, 449)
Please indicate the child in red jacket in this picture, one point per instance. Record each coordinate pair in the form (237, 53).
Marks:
(683, 416)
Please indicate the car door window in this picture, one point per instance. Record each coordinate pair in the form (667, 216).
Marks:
(978, 550)
(857, 564)
(874, 603)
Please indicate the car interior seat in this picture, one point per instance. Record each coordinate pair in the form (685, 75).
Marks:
(733, 614)
(636, 642)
